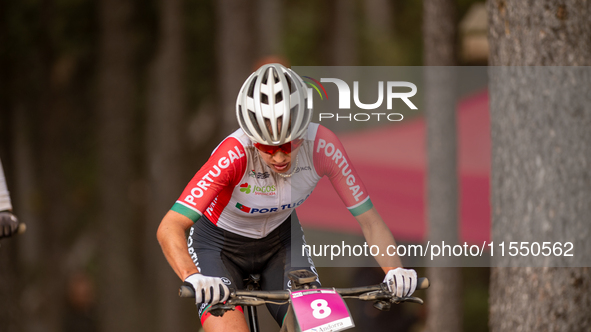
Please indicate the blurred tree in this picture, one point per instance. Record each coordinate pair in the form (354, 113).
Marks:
(51, 109)
(379, 18)
(379, 31)
(164, 150)
(11, 312)
(343, 38)
(235, 54)
(541, 188)
(439, 36)
(119, 291)
(41, 57)
(269, 27)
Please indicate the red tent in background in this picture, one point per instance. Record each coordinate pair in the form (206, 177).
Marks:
(392, 164)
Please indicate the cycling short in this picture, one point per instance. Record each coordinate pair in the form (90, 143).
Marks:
(220, 253)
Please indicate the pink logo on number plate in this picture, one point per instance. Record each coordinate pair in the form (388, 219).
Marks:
(321, 310)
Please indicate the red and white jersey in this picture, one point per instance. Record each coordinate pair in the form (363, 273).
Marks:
(238, 192)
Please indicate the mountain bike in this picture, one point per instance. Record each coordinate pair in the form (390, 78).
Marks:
(311, 309)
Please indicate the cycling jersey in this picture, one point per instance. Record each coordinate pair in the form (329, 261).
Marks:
(238, 192)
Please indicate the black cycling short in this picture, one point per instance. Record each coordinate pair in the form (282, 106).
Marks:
(232, 257)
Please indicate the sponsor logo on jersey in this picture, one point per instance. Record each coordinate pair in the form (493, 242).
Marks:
(264, 210)
(192, 252)
(259, 175)
(242, 208)
(245, 188)
(303, 168)
(255, 210)
(270, 190)
(212, 206)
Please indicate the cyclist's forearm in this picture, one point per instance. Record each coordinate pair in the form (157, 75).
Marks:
(171, 236)
(377, 233)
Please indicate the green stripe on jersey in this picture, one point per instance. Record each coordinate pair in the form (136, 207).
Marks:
(361, 208)
(185, 211)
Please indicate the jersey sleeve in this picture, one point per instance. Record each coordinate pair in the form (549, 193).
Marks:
(223, 170)
(330, 159)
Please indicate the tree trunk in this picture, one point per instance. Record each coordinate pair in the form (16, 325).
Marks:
(52, 180)
(269, 27)
(343, 39)
(235, 53)
(164, 128)
(118, 282)
(439, 33)
(379, 18)
(541, 188)
(31, 130)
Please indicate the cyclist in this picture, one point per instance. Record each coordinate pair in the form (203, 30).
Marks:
(8, 221)
(240, 204)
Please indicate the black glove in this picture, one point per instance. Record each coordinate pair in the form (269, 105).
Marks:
(8, 224)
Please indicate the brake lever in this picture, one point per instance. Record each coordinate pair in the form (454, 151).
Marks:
(412, 299)
(219, 309)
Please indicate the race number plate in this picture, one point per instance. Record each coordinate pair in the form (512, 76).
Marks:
(320, 310)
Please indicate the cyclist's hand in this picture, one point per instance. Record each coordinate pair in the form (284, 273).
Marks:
(8, 224)
(208, 289)
(401, 282)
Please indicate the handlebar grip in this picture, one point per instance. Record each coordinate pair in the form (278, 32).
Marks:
(186, 291)
(423, 283)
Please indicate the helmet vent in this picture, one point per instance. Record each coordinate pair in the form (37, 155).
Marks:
(250, 92)
(265, 76)
(264, 99)
(255, 123)
(279, 125)
(305, 115)
(278, 97)
(289, 83)
(292, 116)
(242, 122)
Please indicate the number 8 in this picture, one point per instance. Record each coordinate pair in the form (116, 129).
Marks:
(321, 309)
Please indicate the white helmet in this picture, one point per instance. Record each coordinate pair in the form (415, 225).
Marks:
(270, 96)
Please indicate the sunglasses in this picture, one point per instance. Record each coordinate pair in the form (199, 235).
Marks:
(285, 148)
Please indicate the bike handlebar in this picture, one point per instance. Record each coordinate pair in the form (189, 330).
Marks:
(282, 295)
